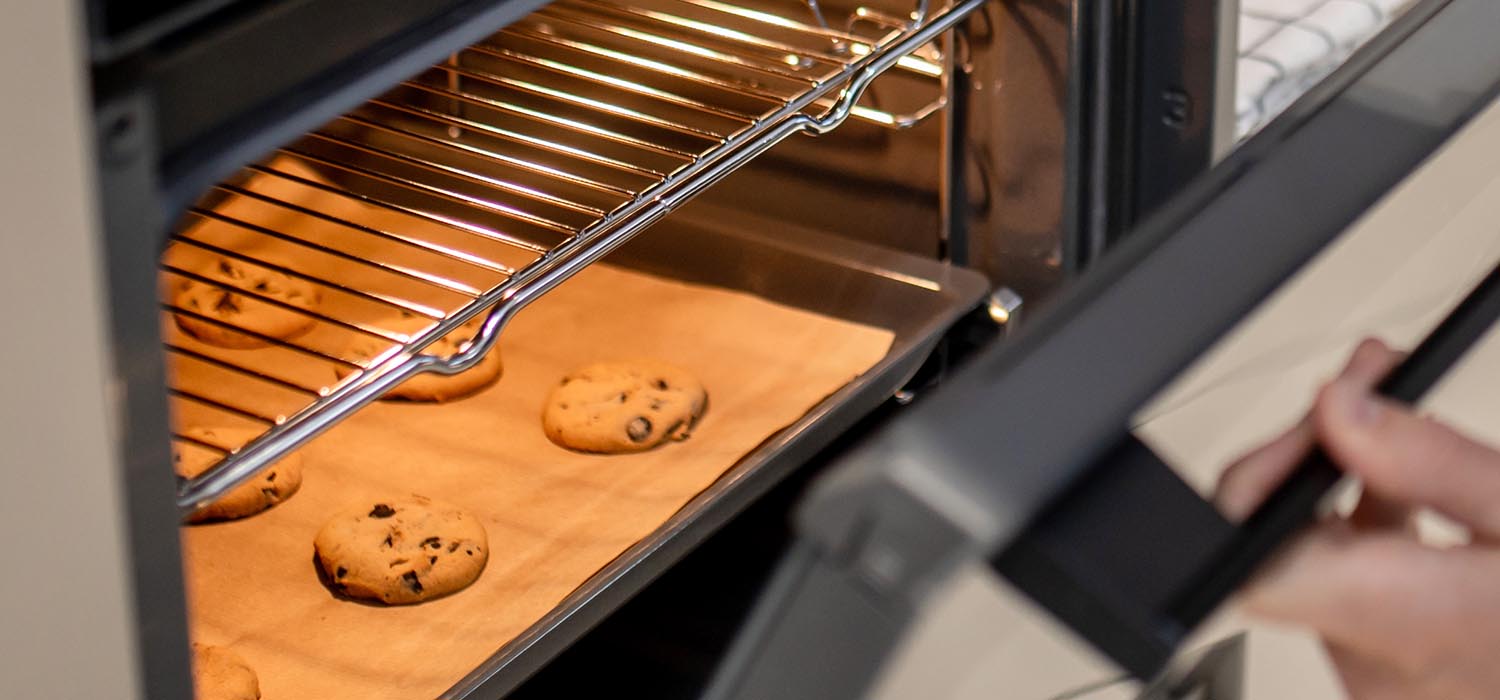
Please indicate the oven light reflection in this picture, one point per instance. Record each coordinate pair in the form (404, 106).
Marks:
(910, 62)
(999, 314)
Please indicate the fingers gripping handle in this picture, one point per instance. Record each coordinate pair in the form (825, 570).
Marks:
(1294, 504)
(1133, 559)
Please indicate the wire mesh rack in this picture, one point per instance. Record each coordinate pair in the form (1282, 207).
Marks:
(312, 282)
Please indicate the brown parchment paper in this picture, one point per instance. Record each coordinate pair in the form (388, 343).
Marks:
(553, 517)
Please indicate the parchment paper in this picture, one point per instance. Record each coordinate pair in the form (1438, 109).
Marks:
(553, 517)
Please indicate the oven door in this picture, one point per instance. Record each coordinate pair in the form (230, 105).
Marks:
(1026, 460)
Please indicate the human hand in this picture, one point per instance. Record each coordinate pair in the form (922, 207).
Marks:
(1400, 619)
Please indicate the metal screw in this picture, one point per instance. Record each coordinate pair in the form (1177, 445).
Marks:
(119, 139)
(1178, 108)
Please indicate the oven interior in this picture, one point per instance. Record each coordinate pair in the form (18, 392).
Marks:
(481, 183)
(572, 138)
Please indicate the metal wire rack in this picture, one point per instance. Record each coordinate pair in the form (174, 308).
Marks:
(478, 186)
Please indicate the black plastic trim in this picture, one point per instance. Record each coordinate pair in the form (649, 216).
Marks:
(226, 93)
(1176, 51)
(113, 37)
(1141, 100)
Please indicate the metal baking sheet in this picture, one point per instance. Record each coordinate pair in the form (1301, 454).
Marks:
(917, 298)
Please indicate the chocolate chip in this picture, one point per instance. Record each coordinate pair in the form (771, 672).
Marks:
(432, 542)
(270, 476)
(398, 562)
(382, 510)
(621, 397)
(340, 572)
(469, 552)
(226, 268)
(656, 405)
(639, 429)
(660, 384)
(431, 560)
(412, 582)
(261, 286)
(388, 541)
(227, 303)
(452, 546)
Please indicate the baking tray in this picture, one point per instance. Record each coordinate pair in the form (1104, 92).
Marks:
(918, 299)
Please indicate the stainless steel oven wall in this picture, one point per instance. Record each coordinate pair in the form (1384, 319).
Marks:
(1006, 142)
(981, 183)
(862, 180)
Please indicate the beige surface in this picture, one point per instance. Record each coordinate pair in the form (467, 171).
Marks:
(554, 517)
(70, 633)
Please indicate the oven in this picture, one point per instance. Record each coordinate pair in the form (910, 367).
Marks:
(820, 208)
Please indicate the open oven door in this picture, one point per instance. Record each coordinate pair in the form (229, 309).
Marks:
(1025, 460)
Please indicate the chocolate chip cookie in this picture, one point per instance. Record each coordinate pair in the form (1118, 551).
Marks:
(220, 674)
(401, 551)
(614, 407)
(272, 486)
(238, 299)
(431, 386)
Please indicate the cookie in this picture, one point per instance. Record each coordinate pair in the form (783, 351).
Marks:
(615, 407)
(220, 674)
(222, 302)
(272, 486)
(430, 386)
(401, 551)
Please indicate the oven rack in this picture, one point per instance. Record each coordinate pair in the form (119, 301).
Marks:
(481, 184)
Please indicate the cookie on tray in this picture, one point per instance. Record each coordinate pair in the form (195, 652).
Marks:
(274, 485)
(220, 674)
(402, 550)
(431, 386)
(616, 407)
(226, 303)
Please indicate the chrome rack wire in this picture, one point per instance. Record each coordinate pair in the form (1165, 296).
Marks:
(481, 184)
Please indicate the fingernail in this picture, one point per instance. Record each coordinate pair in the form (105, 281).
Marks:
(1356, 404)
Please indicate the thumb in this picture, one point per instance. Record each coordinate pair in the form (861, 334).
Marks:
(1408, 459)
